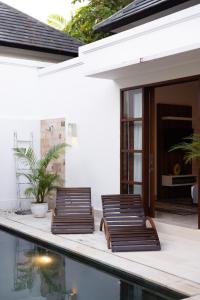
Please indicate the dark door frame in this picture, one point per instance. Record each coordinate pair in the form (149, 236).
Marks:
(199, 168)
(147, 188)
(148, 158)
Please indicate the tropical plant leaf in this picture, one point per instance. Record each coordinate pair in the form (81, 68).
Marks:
(41, 181)
(27, 155)
(190, 146)
(57, 21)
(29, 192)
(52, 155)
(83, 20)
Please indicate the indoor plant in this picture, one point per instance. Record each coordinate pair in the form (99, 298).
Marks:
(42, 181)
(190, 146)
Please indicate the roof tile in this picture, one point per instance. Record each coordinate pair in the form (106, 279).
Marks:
(23, 31)
(136, 10)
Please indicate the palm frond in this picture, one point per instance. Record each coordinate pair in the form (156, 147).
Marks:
(57, 21)
(29, 191)
(27, 155)
(190, 146)
(52, 155)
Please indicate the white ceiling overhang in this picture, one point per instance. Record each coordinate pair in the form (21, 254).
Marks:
(143, 65)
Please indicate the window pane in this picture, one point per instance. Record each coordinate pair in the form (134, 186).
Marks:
(137, 96)
(131, 164)
(126, 105)
(132, 135)
(133, 104)
(138, 135)
(138, 167)
(137, 189)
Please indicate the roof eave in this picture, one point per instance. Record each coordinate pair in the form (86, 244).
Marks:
(39, 49)
(108, 27)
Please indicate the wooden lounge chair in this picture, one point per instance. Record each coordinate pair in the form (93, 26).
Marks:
(73, 212)
(124, 224)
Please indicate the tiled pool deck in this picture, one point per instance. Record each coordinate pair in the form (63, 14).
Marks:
(176, 266)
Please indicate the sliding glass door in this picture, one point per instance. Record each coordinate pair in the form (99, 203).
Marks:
(135, 144)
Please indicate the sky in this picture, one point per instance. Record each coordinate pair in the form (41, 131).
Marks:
(40, 9)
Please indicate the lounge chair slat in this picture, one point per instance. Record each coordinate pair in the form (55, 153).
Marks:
(125, 224)
(73, 212)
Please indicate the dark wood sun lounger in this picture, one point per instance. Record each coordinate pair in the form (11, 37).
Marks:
(125, 226)
(73, 212)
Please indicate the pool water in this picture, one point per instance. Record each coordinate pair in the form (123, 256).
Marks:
(29, 271)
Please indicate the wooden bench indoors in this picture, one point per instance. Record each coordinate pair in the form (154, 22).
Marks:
(73, 212)
(125, 226)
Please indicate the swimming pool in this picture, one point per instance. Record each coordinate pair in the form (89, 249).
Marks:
(31, 271)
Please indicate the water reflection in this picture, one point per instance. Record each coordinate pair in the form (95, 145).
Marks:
(40, 271)
(52, 276)
(30, 272)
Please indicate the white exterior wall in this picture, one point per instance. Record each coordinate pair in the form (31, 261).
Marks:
(19, 88)
(18, 95)
(93, 105)
(64, 90)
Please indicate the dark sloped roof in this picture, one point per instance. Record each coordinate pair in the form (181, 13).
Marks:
(135, 11)
(22, 31)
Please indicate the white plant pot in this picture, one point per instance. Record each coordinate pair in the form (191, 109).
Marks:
(39, 210)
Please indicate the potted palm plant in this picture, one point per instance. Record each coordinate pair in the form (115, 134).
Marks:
(42, 182)
(191, 148)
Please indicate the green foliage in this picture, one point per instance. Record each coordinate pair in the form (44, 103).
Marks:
(42, 182)
(191, 147)
(81, 24)
(57, 22)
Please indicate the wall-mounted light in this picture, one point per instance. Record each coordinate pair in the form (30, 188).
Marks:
(72, 133)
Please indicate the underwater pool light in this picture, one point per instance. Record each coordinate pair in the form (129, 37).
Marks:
(43, 260)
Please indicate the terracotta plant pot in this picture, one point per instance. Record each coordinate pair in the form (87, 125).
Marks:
(39, 210)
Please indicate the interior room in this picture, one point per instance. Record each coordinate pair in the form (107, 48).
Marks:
(177, 112)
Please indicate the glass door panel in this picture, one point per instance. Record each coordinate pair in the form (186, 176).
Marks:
(137, 167)
(137, 135)
(137, 189)
(132, 141)
(132, 104)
